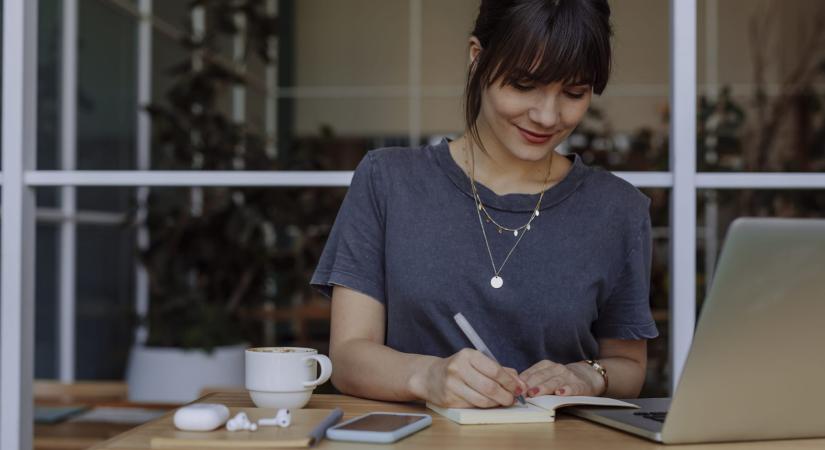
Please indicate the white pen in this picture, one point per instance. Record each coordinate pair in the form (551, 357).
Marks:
(479, 344)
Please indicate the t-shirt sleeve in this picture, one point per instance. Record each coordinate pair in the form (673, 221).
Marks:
(626, 313)
(353, 256)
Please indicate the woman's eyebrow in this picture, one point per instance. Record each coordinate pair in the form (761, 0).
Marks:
(521, 74)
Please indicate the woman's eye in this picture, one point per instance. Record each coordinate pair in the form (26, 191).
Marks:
(575, 95)
(522, 86)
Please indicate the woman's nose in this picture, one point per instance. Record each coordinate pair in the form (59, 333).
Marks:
(545, 113)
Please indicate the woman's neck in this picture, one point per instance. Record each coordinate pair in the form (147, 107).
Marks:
(497, 168)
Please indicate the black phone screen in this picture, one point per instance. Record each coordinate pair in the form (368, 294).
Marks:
(380, 422)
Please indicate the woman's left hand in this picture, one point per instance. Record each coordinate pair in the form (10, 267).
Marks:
(547, 377)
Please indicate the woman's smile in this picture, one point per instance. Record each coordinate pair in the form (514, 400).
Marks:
(533, 137)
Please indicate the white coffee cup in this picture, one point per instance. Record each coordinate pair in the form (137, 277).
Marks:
(284, 377)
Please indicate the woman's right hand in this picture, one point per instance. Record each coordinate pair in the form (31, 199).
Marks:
(467, 379)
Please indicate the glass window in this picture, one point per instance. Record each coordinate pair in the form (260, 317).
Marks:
(106, 71)
(48, 95)
(344, 88)
(351, 43)
(658, 365)
(105, 301)
(351, 117)
(446, 28)
(167, 52)
(47, 307)
(760, 74)
(48, 158)
(105, 199)
(233, 264)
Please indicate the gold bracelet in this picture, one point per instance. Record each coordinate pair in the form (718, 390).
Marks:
(602, 371)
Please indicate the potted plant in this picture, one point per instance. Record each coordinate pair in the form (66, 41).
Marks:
(216, 255)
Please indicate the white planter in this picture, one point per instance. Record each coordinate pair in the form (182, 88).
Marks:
(174, 375)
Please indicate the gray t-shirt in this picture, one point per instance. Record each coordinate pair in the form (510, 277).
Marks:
(408, 235)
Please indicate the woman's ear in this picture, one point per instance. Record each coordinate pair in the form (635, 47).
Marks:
(475, 49)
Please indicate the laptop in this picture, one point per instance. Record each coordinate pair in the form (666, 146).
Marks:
(756, 367)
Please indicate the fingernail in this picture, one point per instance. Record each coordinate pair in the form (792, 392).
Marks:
(561, 391)
(533, 391)
(518, 391)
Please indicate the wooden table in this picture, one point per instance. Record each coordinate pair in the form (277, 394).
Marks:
(566, 433)
(69, 435)
(75, 436)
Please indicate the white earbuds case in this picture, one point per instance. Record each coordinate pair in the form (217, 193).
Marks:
(201, 417)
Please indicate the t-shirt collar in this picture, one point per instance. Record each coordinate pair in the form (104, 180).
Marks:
(512, 202)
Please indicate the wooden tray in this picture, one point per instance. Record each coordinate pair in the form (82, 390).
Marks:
(164, 434)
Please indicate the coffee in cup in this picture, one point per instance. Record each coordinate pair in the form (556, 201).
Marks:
(284, 377)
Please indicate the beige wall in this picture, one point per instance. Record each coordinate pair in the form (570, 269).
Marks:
(446, 29)
(366, 43)
(352, 43)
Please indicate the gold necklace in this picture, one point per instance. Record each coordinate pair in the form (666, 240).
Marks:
(497, 282)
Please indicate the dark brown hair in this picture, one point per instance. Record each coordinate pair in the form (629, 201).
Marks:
(540, 41)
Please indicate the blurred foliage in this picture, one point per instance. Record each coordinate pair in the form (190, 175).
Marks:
(600, 145)
(217, 254)
(719, 132)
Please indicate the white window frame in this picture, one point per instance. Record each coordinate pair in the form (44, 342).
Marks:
(20, 179)
(18, 226)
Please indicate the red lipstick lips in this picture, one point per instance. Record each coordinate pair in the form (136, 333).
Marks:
(533, 138)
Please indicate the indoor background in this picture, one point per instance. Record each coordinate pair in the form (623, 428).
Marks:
(311, 85)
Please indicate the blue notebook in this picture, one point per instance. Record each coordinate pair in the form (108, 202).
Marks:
(56, 414)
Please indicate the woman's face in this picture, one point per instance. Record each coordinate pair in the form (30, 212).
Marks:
(530, 120)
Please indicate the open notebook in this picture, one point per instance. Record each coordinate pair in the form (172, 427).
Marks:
(538, 409)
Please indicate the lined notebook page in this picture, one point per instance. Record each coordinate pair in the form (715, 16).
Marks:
(538, 409)
(513, 414)
(551, 402)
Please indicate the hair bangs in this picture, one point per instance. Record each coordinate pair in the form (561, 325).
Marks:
(538, 42)
(550, 46)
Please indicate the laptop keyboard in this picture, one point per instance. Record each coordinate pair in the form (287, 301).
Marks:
(657, 416)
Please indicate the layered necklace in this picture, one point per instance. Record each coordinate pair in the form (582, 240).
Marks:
(497, 281)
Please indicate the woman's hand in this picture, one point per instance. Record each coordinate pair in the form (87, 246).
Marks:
(467, 379)
(547, 377)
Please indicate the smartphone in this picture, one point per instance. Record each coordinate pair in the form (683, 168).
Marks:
(381, 427)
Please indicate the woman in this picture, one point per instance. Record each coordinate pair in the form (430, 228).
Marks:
(548, 258)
